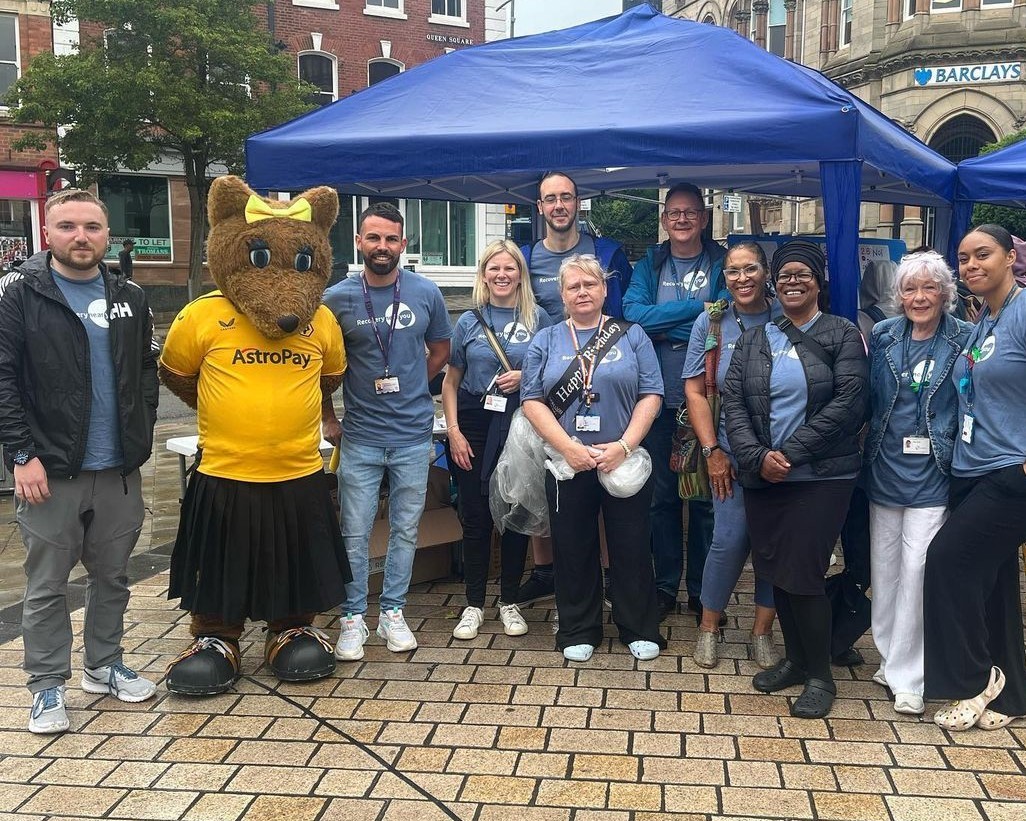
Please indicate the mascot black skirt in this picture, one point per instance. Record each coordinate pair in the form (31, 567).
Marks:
(258, 538)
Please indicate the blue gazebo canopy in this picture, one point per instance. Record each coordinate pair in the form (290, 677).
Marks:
(633, 101)
(998, 178)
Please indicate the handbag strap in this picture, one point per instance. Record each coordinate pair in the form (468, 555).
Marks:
(568, 388)
(797, 337)
(493, 341)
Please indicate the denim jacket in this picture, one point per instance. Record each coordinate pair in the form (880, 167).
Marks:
(941, 399)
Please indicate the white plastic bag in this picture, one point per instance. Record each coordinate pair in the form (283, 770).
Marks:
(630, 477)
(516, 491)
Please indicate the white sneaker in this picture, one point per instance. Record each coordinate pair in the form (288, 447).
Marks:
(470, 621)
(119, 681)
(909, 703)
(352, 638)
(48, 713)
(393, 629)
(512, 619)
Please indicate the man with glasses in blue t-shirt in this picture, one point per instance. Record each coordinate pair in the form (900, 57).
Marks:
(388, 316)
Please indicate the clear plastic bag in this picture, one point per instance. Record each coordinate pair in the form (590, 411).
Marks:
(516, 491)
(630, 477)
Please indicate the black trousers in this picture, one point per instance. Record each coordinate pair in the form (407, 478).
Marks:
(971, 603)
(476, 517)
(574, 507)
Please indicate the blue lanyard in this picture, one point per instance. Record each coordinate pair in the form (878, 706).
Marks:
(972, 356)
(692, 291)
(383, 347)
(918, 388)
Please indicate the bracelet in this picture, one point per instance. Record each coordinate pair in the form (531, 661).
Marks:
(627, 449)
(452, 427)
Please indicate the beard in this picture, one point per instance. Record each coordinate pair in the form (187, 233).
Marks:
(381, 266)
(80, 262)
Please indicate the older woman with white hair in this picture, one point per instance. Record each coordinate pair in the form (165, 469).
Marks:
(914, 409)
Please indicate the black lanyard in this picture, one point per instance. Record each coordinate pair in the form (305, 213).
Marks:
(737, 318)
(383, 347)
(692, 291)
(918, 388)
(972, 356)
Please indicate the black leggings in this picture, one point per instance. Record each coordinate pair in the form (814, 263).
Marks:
(805, 625)
(971, 605)
(476, 518)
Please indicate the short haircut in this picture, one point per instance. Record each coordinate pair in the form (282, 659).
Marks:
(74, 195)
(588, 263)
(686, 188)
(999, 234)
(385, 210)
(525, 294)
(549, 174)
(931, 266)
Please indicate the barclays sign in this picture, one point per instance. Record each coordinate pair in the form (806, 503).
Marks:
(968, 74)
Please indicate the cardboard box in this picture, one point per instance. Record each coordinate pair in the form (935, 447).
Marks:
(439, 530)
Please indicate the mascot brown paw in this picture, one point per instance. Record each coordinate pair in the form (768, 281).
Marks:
(207, 667)
(300, 654)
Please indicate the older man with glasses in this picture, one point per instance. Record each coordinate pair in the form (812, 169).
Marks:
(668, 291)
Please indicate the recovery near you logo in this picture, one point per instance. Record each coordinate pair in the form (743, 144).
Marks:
(286, 356)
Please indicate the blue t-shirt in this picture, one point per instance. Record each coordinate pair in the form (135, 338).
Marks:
(472, 354)
(628, 370)
(898, 479)
(390, 419)
(545, 274)
(999, 382)
(730, 332)
(103, 442)
(680, 278)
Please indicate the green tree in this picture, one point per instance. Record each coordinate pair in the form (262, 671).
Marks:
(188, 79)
(1013, 219)
(633, 222)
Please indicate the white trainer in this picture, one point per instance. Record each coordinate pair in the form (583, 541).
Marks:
(393, 629)
(119, 681)
(48, 711)
(352, 638)
(512, 619)
(470, 623)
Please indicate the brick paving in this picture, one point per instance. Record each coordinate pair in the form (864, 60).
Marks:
(491, 729)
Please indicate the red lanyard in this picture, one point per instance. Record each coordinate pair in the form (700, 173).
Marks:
(587, 368)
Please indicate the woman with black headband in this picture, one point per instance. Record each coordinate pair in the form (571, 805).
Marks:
(795, 398)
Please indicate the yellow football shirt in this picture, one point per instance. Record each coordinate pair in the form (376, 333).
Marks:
(259, 408)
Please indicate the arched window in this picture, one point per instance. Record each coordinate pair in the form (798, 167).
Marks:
(710, 20)
(318, 69)
(382, 69)
(961, 137)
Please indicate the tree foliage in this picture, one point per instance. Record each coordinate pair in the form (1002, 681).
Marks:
(632, 222)
(1013, 219)
(178, 79)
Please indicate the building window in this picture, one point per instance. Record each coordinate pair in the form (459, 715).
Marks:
(845, 22)
(9, 62)
(382, 69)
(994, 3)
(385, 8)
(961, 137)
(945, 5)
(910, 9)
(709, 20)
(443, 233)
(777, 27)
(450, 9)
(15, 230)
(139, 210)
(319, 70)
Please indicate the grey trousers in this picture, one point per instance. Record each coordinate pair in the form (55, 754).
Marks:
(90, 519)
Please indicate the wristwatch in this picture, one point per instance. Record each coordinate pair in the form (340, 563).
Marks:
(707, 451)
(21, 457)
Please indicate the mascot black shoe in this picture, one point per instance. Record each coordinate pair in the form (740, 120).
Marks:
(300, 654)
(207, 667)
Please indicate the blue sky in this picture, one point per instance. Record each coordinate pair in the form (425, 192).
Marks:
(533, 16)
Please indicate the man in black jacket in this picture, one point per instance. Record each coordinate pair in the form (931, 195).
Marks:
(78, 400)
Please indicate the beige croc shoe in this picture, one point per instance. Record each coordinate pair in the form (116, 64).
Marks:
(993, 720)
(964, 714)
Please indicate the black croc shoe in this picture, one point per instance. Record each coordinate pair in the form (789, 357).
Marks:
(781, 676)
(301, 654)
(816, 699)
(207, 667)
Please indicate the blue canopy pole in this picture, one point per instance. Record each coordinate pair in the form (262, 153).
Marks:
(842, 182)
(962, 215)
(942, 228)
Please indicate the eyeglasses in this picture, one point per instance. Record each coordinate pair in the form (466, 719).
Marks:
(796, 276)
(929, 290)
(677, 213)
(565, 198)
(748, 271)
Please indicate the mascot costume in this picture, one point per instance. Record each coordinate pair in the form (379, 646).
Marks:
(258, 537)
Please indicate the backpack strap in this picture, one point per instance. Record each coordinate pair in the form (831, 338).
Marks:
(797, 337)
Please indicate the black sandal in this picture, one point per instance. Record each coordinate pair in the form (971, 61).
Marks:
(783, 675)
(816, 699)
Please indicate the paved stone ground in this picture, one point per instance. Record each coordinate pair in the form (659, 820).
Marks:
(490, 729)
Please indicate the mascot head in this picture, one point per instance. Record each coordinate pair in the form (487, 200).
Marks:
(271, 259)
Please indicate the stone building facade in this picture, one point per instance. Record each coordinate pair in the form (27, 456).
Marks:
(949, 71)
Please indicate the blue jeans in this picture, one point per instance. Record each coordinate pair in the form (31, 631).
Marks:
(667, 517)
(727, 555)
(361, 468)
